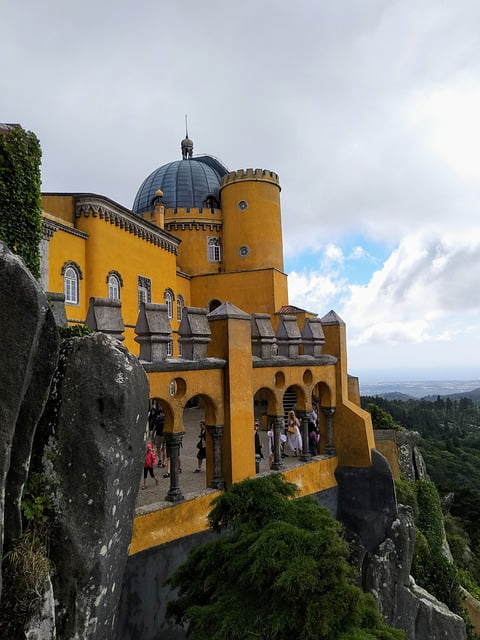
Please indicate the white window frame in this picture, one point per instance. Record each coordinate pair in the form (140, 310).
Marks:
(180, 305)
(169, 298)
(113, 287)
(71, 285)
(144, 288)
(214, 249)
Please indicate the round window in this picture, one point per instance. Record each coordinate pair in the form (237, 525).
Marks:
(242, 205)
(243, 251)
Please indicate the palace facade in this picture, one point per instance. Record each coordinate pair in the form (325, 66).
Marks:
(192, 279)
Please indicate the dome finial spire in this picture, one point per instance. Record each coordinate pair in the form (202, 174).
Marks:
(187, 144)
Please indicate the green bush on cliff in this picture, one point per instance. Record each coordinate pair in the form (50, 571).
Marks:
(20, 207)
(431, 569)
(280, 571)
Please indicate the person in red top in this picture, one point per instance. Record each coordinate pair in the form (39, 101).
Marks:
(149, 463)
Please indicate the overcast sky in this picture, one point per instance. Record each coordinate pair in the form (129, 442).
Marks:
(368, 110)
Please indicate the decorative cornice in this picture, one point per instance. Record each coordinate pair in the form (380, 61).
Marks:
(49, 227)
(197, 226)
(88, 206)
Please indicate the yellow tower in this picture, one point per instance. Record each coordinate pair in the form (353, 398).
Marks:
(252, 225)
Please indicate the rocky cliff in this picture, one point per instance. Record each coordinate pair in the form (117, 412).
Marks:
(382, 534)
(72, 424)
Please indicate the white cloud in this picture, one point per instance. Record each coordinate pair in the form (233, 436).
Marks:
(367, 110)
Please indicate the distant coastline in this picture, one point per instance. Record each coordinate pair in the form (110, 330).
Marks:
(419, 388)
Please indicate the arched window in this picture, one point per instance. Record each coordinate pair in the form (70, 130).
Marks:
(144, 290)
(72, 275)
(169, 297)
(170, 348)
(114, 284)
(214, 250)
(180, 305)
(113, 287)
(213, 304)
(71, 285)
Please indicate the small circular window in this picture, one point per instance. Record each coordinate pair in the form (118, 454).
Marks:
(242, 205)
(243, 251)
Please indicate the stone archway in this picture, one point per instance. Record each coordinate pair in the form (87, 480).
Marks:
(208, 471)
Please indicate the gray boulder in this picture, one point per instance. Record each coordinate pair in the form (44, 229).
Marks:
(386, 574)
(410, 459)
(28, 358)
(94, 426)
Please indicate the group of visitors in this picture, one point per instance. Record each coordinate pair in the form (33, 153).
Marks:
(157, 455)
(291, 437)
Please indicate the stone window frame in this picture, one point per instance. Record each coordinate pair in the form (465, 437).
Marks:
(72, 274)
(169, 298)
(114, 281)
(214, 249)
(170, 348)
(180, 305)
(144, 289)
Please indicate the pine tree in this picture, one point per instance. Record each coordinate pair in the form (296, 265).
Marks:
(278, 571)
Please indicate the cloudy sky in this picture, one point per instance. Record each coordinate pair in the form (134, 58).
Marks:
(369, 111)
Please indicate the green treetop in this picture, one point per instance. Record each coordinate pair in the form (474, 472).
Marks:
(278, 571)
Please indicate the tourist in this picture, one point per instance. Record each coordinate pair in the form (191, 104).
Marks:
(158, 437)
(294, 439)
(271, 445)
(313, 440)
(201, 446)
(258, 444)
(148, 464)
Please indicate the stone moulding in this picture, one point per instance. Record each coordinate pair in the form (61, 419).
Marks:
(127, 221)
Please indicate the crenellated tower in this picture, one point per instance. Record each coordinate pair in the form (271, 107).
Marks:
(252, 225)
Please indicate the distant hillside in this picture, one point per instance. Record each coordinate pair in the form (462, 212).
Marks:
(372, 391)
(472, 395)
(397, 395)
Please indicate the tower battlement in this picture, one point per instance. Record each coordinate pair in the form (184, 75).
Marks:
(261, 175)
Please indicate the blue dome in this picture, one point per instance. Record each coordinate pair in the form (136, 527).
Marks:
(185, 183)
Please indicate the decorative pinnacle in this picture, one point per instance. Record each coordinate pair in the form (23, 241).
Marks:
(187, 144)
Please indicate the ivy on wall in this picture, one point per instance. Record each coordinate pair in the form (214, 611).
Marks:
(20, 207)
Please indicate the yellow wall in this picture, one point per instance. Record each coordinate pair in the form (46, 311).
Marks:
(231, 340)
(109, 247)
(60, 205)
(194, 228)
(258, 226)
(389, 449)
(64, 247)
(262, 291)
(354, 438)
(186, 518)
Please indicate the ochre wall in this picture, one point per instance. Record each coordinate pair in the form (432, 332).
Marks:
(62, 206)
(388, 448)
(64, 247)
(111, 248)
(258, 226)
(238, 453)
(262, 291)
(186, 518)
(194, 228)
(353, 429)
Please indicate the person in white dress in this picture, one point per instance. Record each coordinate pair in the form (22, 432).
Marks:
(294, 438)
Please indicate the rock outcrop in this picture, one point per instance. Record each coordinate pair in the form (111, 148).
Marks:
(405, 605)
(28, 358)
(410, 459)
(92, 436)
(76, 417)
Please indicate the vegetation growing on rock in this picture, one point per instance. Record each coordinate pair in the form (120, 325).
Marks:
(280, 571)
(20, 208)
